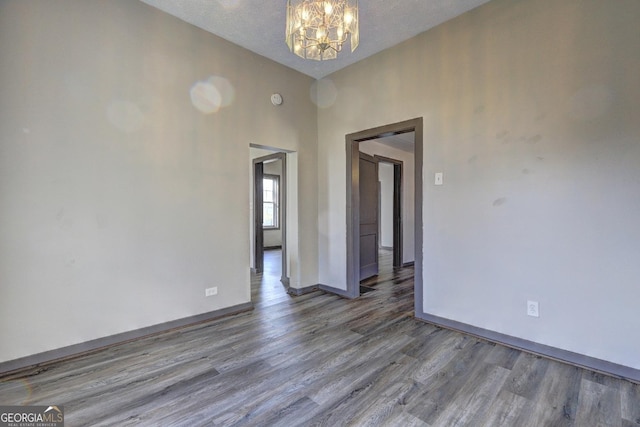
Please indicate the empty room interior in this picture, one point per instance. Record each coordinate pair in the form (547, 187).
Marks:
(441, 226)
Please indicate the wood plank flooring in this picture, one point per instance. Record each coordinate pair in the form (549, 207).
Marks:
(319, 359)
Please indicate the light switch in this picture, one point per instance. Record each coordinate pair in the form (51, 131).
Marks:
(439, 178)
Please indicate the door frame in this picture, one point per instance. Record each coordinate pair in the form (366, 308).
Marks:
(258, 231)
(353, 202)
(397, 208)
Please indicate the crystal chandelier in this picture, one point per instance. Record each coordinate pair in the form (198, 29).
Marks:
(318, 29)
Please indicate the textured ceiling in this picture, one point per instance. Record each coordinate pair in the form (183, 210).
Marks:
(258, 25)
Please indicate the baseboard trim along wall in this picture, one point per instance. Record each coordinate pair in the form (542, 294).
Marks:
(101, 343)
(340, 292)
(576, 359)
(301, 291)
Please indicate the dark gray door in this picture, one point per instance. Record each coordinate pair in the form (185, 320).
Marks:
(397, 214)
(368, 216)
(258, 175)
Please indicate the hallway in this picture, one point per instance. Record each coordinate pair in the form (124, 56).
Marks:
(266, 287)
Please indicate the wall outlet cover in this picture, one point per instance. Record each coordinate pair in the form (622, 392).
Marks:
(533, 309)
(439, 178)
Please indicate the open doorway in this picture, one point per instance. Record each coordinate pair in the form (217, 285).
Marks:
(391, 224)
(353, 142)
(269, 222)
(393, 209)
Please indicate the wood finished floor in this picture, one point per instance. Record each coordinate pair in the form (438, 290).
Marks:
(322, 360)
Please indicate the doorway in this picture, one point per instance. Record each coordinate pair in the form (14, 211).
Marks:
(273, 209)
(353, 201)
(396, 209)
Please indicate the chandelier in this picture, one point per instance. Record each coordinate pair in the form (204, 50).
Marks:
(318, 29)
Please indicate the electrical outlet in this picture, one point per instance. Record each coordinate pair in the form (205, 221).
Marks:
(211, 291)
(533, 309)
(439, 177)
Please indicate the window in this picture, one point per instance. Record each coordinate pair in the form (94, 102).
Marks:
(270, 212)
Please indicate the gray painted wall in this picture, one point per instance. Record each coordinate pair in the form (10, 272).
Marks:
(112, 181)
(531, 111)
(123, 195)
